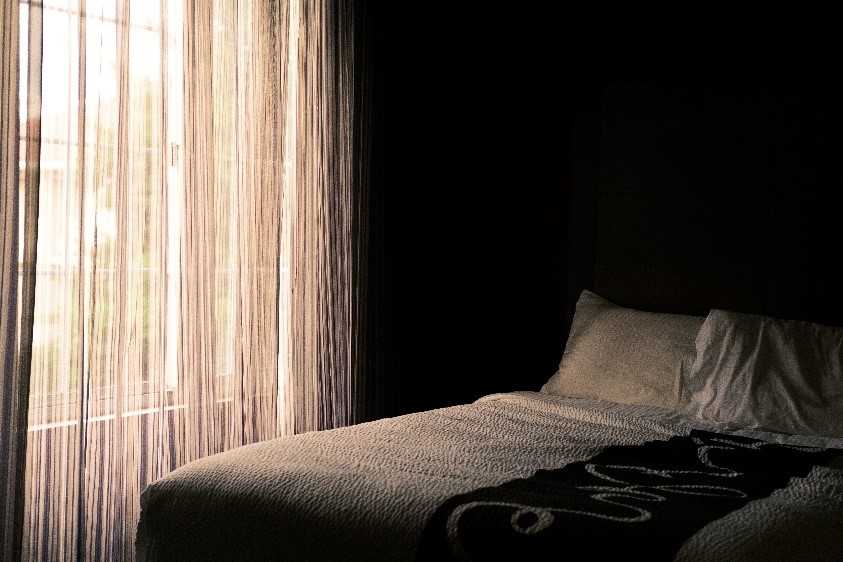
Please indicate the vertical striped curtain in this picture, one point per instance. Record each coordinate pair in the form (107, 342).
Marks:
(14, 383)
(184, 265)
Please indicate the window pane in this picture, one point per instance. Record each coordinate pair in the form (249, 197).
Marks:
(102, 230)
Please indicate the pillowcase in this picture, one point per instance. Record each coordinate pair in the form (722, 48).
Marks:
(624, 355)
(758, 372)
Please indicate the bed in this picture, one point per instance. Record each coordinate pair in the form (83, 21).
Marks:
(661, 436)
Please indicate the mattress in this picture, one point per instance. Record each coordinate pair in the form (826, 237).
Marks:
(409, 488)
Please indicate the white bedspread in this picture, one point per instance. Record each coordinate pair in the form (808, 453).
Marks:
(365, 492)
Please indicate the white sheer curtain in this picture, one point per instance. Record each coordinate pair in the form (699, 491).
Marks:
(183, 264)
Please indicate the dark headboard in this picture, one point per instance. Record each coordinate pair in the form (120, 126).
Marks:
(691, 194)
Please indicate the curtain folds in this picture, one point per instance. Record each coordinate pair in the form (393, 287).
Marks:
(185, 191)
(327, 285)
(14, 389)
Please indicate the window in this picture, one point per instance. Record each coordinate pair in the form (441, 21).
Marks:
(102, 185)
(112, 205)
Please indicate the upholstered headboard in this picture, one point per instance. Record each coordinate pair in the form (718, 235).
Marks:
(694, 194)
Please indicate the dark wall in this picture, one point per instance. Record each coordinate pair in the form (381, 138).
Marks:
(479, 212)
(516, 131)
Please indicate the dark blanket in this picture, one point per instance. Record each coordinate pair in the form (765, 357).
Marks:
(627, 502)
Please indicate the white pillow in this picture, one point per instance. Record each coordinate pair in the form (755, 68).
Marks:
(759, 372)
(624, 355)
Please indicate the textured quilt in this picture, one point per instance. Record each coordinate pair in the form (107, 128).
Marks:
(511, 475)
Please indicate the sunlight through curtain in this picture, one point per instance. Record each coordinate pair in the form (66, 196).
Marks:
(183, 268)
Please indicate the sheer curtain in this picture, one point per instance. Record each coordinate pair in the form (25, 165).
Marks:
(184, 268)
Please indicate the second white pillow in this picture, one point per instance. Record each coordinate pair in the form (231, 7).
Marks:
(758, 372)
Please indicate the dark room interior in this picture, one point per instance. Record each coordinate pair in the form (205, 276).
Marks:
(372, 280)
